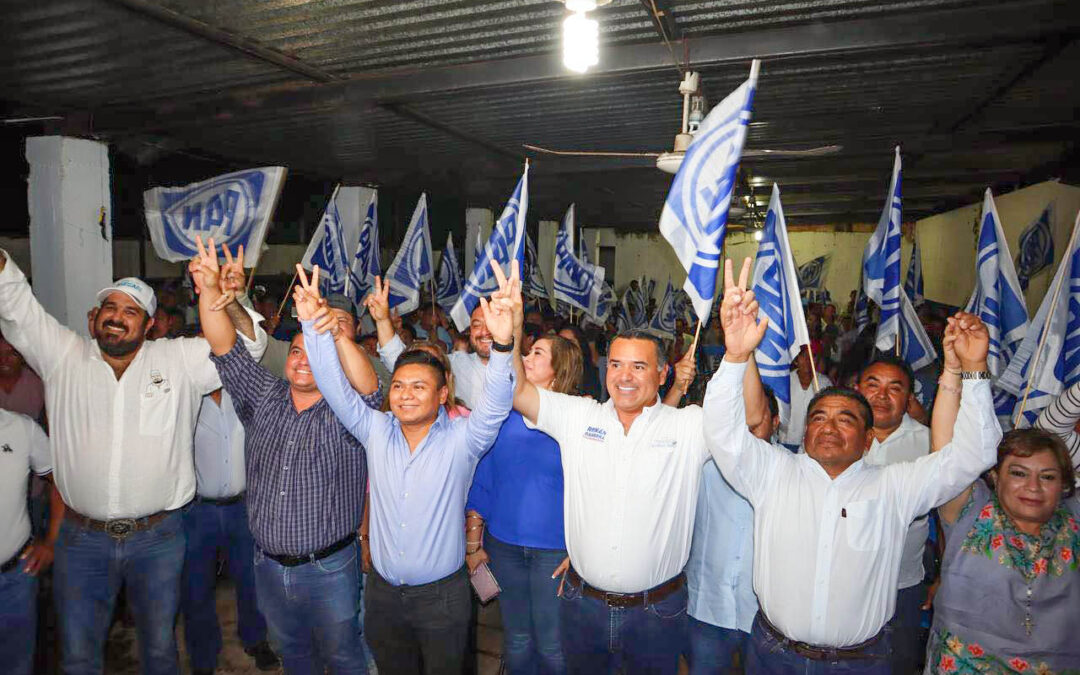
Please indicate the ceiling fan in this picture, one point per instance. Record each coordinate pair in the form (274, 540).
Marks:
(692, 115)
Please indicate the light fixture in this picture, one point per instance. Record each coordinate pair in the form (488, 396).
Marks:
(581, 35)
(758, 234)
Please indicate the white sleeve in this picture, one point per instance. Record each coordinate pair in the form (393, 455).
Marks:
(40, 456)
(390, 352)
(40, 338)
(558, 414)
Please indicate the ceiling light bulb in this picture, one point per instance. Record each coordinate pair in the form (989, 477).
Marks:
(757, 235)
(581, 5)
(581, 42)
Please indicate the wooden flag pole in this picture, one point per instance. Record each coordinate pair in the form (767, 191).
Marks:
(813, 368)
(288, 292)
(1046, 326)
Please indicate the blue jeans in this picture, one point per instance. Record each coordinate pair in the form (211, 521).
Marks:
(88, 571)
(211, 528)
(18, 620)
(712, 648)
(767, 656)
(600, 639)
(311, 611)
(529, 604)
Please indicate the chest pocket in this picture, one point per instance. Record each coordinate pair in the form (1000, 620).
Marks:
(864, 525)
(157, 410)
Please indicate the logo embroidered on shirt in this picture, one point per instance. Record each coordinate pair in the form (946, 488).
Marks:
(157, 382)
(7, 448)
(596, 434)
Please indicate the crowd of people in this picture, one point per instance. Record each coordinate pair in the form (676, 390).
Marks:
(638, 501)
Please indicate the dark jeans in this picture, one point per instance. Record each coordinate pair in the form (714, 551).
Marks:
(18, 620)
(529, 604)
(311, 612)
(908, 643)
(600, 639)
(210, 529)
(767, 656)
(419, 629)
(712, 648)
(89, 569)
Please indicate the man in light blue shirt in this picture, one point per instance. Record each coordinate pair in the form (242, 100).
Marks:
(719, 573)
(421, 464)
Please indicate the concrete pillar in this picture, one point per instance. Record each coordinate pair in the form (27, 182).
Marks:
(476, 220)
(70, 225)
(545, 254)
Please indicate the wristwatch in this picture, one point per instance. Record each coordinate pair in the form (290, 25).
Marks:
(501, 347)
(976, 375)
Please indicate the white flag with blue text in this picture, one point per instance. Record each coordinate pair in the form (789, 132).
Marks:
(448, 287)
(913, 284)
(812, 277)
(694, 219)
(576, 282)
(776, 288)
(1058, 366)
(534, 278)
(915, 345)
(234, 209)
(506, 243)
(330, 252)
(881, 263)
(1036, 247)
(663, 321)
(366, 264)
(413, 264)
(997, 299)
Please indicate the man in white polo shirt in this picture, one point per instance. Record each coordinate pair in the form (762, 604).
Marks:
(23, 448)
(121, 416)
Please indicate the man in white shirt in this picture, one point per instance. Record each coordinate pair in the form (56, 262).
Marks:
(23, 448)
(121, 417)
(886, 382)
(829, 529)
(468, 367)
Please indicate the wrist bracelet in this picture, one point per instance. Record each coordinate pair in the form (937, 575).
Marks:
(976, 375)
(948, 387)
(499, 347)
(954, 371)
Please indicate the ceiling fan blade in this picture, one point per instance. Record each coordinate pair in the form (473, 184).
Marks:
(809, 152)
(590, 153)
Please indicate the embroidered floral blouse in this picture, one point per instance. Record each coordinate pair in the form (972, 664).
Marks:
(1009, 602)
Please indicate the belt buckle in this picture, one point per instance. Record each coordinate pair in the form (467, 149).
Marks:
(120, 528)
(614, 599)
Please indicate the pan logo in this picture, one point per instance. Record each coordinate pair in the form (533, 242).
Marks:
(224, 209)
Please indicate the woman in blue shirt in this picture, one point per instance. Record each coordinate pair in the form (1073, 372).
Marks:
(518, 490)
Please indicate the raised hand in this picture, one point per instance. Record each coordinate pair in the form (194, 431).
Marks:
(685, 370)
(948, 346)
(738, 315)
(378, 301)
(499, 312)
(306, 295)
(972, 342)
(205, 269)
(326, 321)
(232, 279)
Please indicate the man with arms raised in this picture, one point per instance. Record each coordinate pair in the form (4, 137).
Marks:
(829, 528)
(121, 420)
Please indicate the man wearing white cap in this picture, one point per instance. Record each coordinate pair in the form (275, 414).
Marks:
(121, 415)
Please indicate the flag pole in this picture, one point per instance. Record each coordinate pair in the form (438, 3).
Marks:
(288, 288)
(1046, 326)
(813, 368)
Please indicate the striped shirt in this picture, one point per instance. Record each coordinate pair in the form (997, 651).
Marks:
(306, 473)
(1060, 418)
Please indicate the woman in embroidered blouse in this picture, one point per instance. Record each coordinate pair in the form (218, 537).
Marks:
(1009, 600)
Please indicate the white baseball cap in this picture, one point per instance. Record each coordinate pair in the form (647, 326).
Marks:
(136, 289)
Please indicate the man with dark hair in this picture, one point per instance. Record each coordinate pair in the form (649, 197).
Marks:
(122, 416)
(829, 527)
(21, 390)
(802, 390)
(887, 383)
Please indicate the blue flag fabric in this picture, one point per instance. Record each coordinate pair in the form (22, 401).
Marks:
(913, 285)
(881, 263)
(534, 278)
(694, 219)
(366, 265)
(915, 345)
(635, 300)
(623, 320)
(576, 282)
(776, 288)
(234, 209)
(1058, 365)
(414, 263)
(663, 321)
(1036, 247)
(506, 243)
(448, 287)
(812, 276)
(330, 254)
(997, 299)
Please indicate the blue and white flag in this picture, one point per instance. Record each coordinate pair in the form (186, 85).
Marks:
(583, 250)
(776, 288)
(1058, 365)
(234, 209)
(862, 310)
(812, 277)
(881, 263)
(997, 298)
(534, 278)
(913, 285)
(635, 301)
(448, 286)
(506, 243)
(1036, 247)
(330, 253)
(576, 282)
(694, 219)
(915, 345)
(623, 321)
(414, 263)
(366, 265)
(663, 321)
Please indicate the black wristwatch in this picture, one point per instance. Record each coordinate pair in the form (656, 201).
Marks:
(501, 347)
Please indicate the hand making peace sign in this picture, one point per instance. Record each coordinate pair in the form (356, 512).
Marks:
(499, 312)
(204, 268)
(306, 295)
(738, 314)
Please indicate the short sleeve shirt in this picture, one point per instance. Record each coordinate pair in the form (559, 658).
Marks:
(23, 448)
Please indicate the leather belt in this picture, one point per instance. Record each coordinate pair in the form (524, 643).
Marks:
(295, 560)
(14, 561)
(221, 501)
(641, 599)
(118, 528)
(820, 653)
